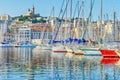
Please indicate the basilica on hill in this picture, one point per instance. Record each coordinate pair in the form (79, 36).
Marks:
(31, 12)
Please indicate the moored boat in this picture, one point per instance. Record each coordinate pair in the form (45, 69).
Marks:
(109, 53)
(91, 51)
(5, 44)
(27, 45)
(78, 52)
(63, 49)
(44, 47)
(59, 49)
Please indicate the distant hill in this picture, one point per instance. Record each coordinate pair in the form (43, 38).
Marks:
(33, 19)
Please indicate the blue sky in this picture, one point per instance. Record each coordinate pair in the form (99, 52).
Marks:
(19, 7)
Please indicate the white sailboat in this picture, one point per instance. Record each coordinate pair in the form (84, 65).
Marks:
(60, 47)
(89, 50)
(44, 47)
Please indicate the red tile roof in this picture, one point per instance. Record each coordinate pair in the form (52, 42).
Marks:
(41, 27)
(9, 34)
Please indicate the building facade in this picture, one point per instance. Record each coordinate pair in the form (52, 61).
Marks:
(41, 33)
(24, 34)
(3, 29)
(5, 17)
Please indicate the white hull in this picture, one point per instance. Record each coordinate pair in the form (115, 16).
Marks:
(44, 47)
(89, 49)
(61, 49)
(92, 53)
(25, 45)
(5, 45)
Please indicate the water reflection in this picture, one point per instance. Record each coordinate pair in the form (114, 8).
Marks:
(34, 64)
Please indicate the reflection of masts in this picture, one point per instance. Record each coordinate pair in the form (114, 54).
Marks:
(83, 72)
(101, 73)
(52, 67)
(8, 62)
(70, 74)
(89, 69)
(114, 73)
(47, 63)
(65, 69)
(30, 65)
(77, 69)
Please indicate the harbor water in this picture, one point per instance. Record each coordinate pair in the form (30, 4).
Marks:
(35, 64)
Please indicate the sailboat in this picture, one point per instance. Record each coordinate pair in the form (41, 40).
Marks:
(60, 45)
(88, 50)
(75, 41)
(107, 52)
(5, 44)
(43, 45)
(61, 49)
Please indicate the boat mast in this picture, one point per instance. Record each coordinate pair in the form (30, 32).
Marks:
(70, 18)
(101, 16)
(90, 32)
(87, 22)
(61, 18)
(65, 27)
(90, 9)
(54, 33)
(101, 30)
(114, 26)
(51, 17)
(70, 10)
(83, 16)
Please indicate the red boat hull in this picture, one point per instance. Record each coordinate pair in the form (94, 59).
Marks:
(109, 53)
